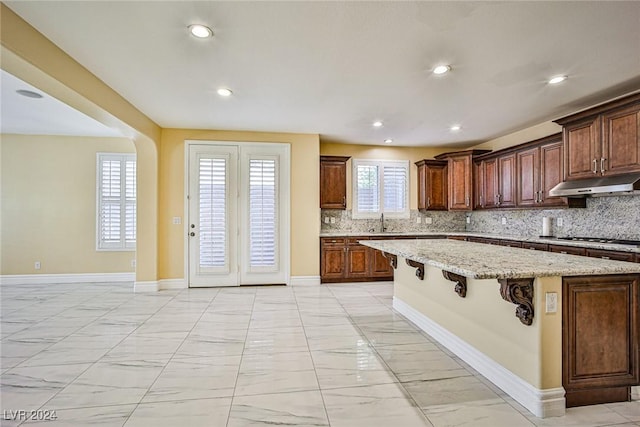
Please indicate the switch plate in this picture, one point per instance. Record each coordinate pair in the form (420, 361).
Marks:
(36, 265)
(504, 221)
(468, 220)
(419, 220)
(177, 220)
(333, 220)
(326, 220)
(428, 220)
(551, 302)
(559, 222)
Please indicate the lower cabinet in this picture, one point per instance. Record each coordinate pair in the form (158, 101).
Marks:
(600, 338)
(345, 260)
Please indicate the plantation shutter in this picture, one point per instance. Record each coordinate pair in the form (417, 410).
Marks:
(263, 214)
(116, 205)
(395, 188)
(213, 212)
(368, 191)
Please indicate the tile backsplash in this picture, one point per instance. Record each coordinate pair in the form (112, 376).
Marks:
(616, 217)
(344, 223)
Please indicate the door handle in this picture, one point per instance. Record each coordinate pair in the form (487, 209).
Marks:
(595, 166)
(467, 200)
(537, 197)
(602, 165)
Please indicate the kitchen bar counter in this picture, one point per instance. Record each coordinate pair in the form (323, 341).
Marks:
(481, 261)
(546, 240)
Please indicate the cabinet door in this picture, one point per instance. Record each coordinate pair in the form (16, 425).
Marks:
(528, 174)
(460, 183)
(600, 338)
(615, 255)
(380, 266)
(551, 172)
(332, 262)
(422, 187)
(507, 181)
(582, 144)
(490, 183)
(571, 250)
(621, 141)
(333, 184)
(357, 261)
(436, 190)
(478, 185)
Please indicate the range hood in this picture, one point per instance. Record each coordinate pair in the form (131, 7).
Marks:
(601, 186)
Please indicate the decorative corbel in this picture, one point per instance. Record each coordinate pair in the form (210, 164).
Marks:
(460, 281)
(393, 260)
(418, 266)
(519, 292)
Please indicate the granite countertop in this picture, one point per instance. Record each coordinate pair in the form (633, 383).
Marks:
(482, 261)
(548, 240)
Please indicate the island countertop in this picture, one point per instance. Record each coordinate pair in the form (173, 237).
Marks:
(480, 261)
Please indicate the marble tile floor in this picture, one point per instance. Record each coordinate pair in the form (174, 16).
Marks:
(338, 355)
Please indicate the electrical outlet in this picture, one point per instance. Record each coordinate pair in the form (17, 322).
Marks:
(559, 222)
(177, 220)
(333, 220)
(36, 265)
(551, 302)
(419, 220)
(428, 220)
(468, 220)
(504, 221)
(326, 220)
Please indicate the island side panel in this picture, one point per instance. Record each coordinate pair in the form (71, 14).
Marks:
(488, 323)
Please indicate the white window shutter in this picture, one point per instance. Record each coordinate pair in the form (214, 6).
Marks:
(263, 213)
(368, 190)
(213, 212)
(380, 186)
(395, 188)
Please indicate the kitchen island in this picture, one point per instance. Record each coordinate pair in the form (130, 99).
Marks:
(552, 330)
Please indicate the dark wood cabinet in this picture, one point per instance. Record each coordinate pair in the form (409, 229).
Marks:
(333, 182)
(507, 181)
(460, 178)
(510, 243)
(346, 260)
(432, 185)
(380, 265)
(357, 259)
(600, 338)
(551, 174)
(487, 176)
(496, 176)
(571, 250)
(615, 255)
(535, 246)
(332, 259)
(604, 140)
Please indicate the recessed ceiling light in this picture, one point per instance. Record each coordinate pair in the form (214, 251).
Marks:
(29, 93)
(223, 91)
(557, 79)
(455, 128)
(377, 124)
(388, 141)
(200, 31)
(441, 69)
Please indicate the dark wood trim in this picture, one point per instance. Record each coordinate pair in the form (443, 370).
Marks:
(431, 162)
(460, 281)
(599, 109)
(556, 137)
(393, 259)
(418, 266)
(335, 158)
(473, 153)
(520, 293)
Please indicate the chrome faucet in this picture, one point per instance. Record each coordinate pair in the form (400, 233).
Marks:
(382, 227)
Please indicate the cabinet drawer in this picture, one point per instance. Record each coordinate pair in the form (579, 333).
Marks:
(355, 240)
(510, 243)
(567, 250)
(328, 241)
(615, 255)
(535, 246)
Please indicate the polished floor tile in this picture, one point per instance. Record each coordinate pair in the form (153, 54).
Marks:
(330, 355)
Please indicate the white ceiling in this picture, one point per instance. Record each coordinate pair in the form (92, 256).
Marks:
(42, 116)
(334, 67)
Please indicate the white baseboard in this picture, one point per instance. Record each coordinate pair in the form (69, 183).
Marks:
(635, 393)
(164, 284)
(147, 286)
(541, 403)
(305, 280)
(43, 279)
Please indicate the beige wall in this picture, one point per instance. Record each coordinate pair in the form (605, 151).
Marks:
(48, 188)
(305, 196)
(525, 135)
(488, 323)
(413, 154)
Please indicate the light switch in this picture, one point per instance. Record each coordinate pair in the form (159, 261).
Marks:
(419, 220)
(551, 302)
(428, 220)
(559, 222)
(177, 220)
(333, 220)
(326, 220)
(504, 221)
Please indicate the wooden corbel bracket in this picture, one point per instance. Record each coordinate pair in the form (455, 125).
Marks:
(460, 281)
(418, 266)
(393, 260)
(520, 293)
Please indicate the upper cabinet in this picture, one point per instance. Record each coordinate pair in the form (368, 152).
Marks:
(333, 182)
(460, 178)
(603, 140)
(432, 185)
(496, 179)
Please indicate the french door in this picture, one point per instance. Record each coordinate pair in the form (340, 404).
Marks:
(238, 214)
